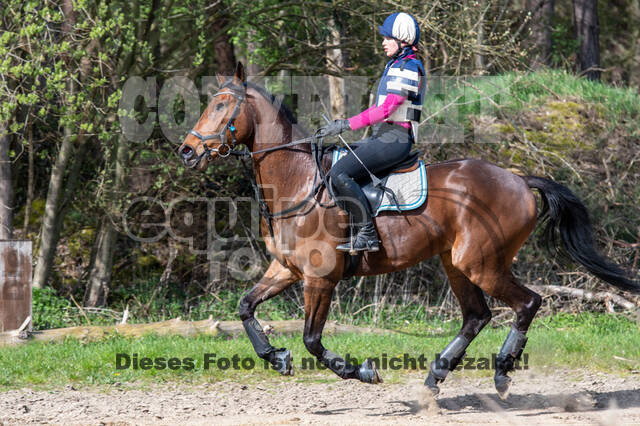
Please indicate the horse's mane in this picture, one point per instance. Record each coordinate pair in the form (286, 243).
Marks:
(282, 107)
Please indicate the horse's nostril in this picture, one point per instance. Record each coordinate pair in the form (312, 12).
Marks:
(186, 152)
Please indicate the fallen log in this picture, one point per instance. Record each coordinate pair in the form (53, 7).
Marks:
(602, 296)
(174, 327)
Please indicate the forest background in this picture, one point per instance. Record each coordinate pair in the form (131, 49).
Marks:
(549, 88)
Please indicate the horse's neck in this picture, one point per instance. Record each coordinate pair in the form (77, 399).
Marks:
(286, 175)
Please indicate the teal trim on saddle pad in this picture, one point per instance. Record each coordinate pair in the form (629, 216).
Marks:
(407, 186)
(415, 204)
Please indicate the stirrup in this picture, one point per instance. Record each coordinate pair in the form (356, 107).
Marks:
(365, 240)
(371, 246)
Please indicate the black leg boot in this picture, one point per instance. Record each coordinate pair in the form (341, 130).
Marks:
(355, 203)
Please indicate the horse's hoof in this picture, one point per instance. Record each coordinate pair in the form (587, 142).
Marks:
(435, 390)
(368, 373)
(432, 384)
(283, 362)
(502, 385)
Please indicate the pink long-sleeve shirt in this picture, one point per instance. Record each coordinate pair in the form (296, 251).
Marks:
(376, 114)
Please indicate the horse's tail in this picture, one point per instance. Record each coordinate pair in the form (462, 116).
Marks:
(564, 213)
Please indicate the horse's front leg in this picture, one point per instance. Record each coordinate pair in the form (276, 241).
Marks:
(275, 280)
(317, 300)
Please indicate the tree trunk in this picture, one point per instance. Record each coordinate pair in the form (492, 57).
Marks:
(222, 45)
(6, 187)
(252, 68)
(50, 230)
(585, 15)
(51, 223)
(177, 327)
(100, 274)
(630, 56)
(101, 266)
(479, 56)
(70, 17)
(30, 183)
(71, 182)
(335, 63)
(540, 25)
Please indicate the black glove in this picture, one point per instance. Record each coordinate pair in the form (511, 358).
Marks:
(335, 128)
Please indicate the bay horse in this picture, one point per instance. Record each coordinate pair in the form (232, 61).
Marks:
(476, 218)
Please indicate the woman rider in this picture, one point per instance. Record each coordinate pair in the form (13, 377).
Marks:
(396, 115)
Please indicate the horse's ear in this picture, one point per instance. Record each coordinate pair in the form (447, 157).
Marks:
(239, 72)
(221, 79)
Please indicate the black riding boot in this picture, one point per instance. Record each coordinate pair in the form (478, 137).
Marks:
(355, 203)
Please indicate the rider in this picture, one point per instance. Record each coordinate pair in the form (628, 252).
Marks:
(396, 115)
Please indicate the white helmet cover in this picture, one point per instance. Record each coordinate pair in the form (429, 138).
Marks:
(401, 26)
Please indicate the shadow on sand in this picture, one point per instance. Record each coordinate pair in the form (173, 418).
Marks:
(541, 404)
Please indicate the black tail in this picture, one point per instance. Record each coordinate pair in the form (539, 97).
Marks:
(563, 212)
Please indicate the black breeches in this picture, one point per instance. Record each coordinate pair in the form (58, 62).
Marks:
(388, 146)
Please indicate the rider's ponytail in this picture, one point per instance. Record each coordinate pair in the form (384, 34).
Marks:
(420, 51)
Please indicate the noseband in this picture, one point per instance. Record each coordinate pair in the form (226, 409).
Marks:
(224, 149)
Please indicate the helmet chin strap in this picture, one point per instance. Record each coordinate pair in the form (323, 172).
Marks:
(400, 50)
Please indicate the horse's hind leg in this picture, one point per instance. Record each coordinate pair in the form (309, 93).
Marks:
(275, 280)
(317, 300)
(525, 303)
(475, 315)
(501, 284)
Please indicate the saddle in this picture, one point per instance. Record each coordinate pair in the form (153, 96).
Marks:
(396, 187)
(374, 194)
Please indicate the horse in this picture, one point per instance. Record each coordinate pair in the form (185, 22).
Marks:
(476, 218)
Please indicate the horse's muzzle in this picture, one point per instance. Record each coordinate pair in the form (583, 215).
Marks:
(186, 152)
(188, 156)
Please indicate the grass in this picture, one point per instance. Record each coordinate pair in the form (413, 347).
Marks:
(566, 341)
(53, 311)
(514, 92)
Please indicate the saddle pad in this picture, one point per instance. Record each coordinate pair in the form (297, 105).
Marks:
(410, 188)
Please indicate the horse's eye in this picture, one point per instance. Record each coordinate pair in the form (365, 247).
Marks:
(219, 106)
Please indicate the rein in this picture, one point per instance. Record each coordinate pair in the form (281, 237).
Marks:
(318, 152)
(245, 153)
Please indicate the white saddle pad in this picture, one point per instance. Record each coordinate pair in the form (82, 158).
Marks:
(410, 188)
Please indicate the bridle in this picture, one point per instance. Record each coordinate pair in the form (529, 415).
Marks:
(224, 149)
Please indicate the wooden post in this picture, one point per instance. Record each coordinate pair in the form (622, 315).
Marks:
(15, 284)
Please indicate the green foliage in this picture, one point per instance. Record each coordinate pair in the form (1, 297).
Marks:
(270, 35)
(70, 83)
(565, 45)
(49, 309)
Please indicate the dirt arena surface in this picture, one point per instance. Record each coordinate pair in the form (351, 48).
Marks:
(572, 396)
